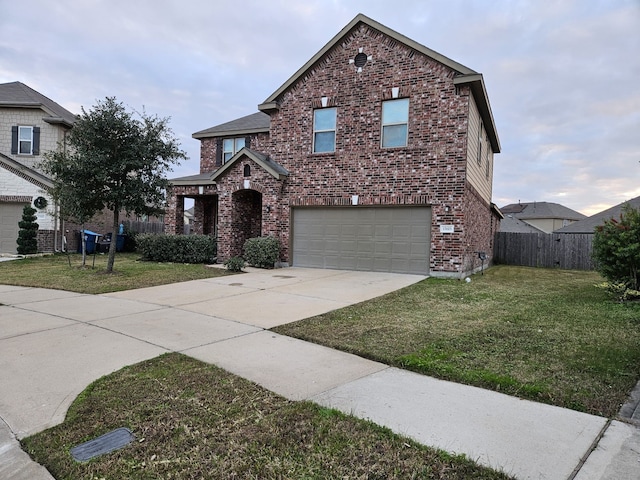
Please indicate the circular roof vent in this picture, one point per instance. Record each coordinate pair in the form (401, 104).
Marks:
(360, 60)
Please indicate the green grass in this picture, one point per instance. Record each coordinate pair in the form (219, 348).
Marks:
(66, 273)
(542, 334)
(193, 420)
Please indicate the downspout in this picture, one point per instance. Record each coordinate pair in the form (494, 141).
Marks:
(55, 227)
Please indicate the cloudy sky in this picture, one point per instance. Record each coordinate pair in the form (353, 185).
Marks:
(563, 76)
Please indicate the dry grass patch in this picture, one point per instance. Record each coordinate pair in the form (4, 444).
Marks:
(193, 420)
(547, 335)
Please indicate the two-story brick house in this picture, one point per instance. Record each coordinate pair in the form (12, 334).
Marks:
(377, 154)
(30, 125)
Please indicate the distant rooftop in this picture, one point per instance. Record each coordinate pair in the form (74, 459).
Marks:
(533, 210)
(512, 224)
(589, 224)
(19, 95)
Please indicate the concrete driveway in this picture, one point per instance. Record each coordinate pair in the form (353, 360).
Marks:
(55, 343)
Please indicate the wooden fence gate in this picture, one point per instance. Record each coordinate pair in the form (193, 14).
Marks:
(566, 251)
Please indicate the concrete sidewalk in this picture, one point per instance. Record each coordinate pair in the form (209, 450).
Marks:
(55, 343)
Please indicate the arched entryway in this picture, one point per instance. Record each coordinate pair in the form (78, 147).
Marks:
(246, 218)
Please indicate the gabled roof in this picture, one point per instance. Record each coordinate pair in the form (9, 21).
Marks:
(19, 95)
(189, 180)
(273, 168)
(254, 123)
(533, 210)
(511, 224)
(465, 75)
(25, 172)
(589, 224)
(209, 178)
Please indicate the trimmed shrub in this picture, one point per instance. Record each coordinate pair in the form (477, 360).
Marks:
(262, 252)
(28, 235)
(235, 264)
(176, 248)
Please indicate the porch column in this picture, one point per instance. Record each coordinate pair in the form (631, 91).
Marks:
(174, 216)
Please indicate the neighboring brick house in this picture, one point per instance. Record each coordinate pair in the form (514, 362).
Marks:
(376, 155)
(30, 125)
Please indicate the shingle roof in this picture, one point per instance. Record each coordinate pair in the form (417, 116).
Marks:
(511, 224)
(531, 210)
(589, 224)
(209, 178)
(19, 95)
(254, 123)
(199, 179)
(31, 175)
(274, 168)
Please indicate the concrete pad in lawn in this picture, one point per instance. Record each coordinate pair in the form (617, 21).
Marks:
(42, 373)
(30, 295)
(182, 293)
(176, 329)
(265, 308)
(292, 368)
(87, 308)
(352, 287)
(16, 321)
(526, 439)
(617, 456)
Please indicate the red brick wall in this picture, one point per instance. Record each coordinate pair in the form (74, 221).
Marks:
(208, 149)
(431, 170)
(232, 229)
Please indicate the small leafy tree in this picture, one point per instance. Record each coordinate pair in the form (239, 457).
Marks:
(113, 159)
(616, 249)
(28, 234)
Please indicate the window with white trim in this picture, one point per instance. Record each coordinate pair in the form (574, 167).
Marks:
(480, 144)
(395, 122)
(231, 146)
(324, 130)
(487, 168)
(25, 140)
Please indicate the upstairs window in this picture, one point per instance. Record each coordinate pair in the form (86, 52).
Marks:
(395, 122)
(231, 146)
(480, 128)
(324, 130)
(25, 140)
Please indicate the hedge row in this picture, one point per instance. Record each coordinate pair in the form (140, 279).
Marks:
(176, 248)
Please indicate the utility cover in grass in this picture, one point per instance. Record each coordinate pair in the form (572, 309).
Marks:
(110, 441)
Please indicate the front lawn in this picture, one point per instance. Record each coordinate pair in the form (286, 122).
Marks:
(542, 334)
(193, 420)
(66, 273)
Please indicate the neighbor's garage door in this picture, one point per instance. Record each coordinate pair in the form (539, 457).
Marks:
(10, 215)
(379, 239)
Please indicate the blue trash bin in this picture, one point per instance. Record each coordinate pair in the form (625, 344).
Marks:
(120, 243)
(92, 238)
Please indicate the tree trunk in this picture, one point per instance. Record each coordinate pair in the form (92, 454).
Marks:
(114, 240)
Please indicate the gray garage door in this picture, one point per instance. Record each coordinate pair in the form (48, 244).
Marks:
(10, 215)
(378, 239)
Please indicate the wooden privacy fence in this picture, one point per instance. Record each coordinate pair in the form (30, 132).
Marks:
(143, 227)
(567, 251)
